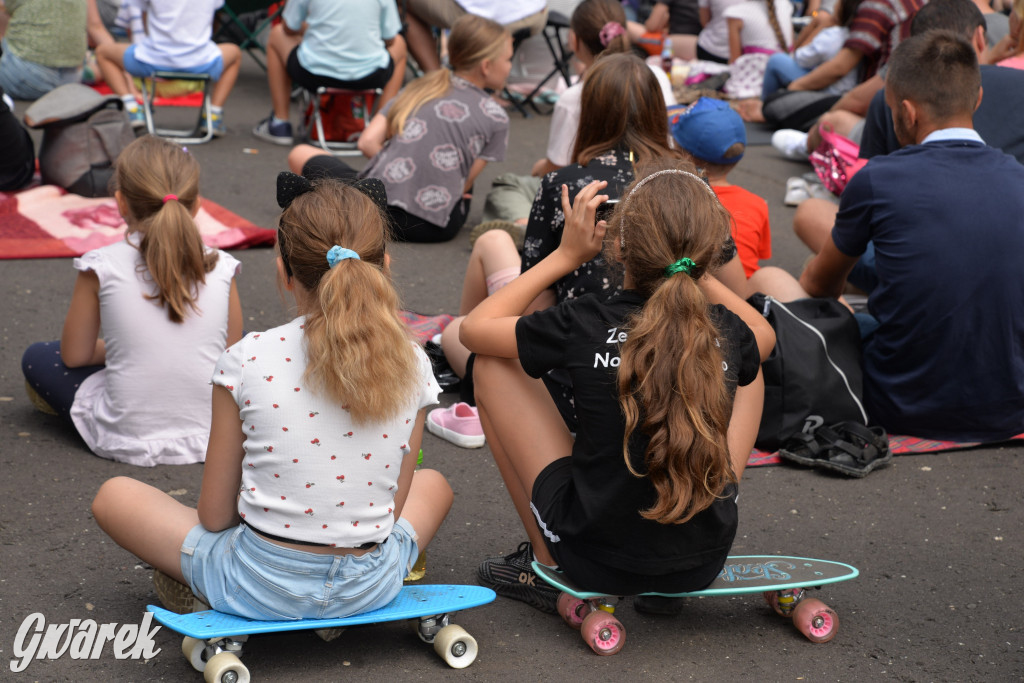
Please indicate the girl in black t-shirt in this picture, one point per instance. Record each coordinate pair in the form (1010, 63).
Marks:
(668, 393)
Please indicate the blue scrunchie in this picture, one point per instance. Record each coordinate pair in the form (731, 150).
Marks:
(336, 255)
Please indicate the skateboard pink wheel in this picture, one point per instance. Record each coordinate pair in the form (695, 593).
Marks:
(816, 620)
(603, 633)
(572, 610)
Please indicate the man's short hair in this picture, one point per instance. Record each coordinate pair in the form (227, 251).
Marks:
(962, 17)
(937, 70)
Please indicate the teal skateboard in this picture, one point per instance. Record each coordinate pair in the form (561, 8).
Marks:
(782, 580)
(213, 640)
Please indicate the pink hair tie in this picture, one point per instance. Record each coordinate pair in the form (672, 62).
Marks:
(169, 197)
(610, 32)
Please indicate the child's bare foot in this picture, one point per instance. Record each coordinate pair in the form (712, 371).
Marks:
(749, 110)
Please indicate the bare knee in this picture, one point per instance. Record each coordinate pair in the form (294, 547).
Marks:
(108, 498)
(813, 222)
(441, 494)
(494, 240)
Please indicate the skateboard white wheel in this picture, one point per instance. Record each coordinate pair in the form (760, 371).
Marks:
(225, 667)
(603, 632)
(193, 648)
(455, 646)
(816, 620)
(572, 610)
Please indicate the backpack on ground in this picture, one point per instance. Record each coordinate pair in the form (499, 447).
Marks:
(813, 376)
(798, 109)
(83, 134)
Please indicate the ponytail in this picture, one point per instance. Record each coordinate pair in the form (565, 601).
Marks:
(773, 19)
(158, 184)
(472, 40)
(600, 25)
(671, 380)
(358, 352)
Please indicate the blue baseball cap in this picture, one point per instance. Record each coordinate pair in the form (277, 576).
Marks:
(707, 130)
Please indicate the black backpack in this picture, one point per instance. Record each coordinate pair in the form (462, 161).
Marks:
(83, 134)
(813, 376)
(799, 109)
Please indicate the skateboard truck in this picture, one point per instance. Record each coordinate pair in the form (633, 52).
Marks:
(429, 627)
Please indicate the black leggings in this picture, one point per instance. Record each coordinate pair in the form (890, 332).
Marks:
(17, 155)
(55, 382)
(405, 227)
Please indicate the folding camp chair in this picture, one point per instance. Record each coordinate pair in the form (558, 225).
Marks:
(351, 112)
(202, 131)
(560, 53)
(231, 21)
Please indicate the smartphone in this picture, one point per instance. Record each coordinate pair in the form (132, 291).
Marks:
(605, 209)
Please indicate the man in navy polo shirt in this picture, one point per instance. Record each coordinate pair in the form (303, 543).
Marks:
(946, 216)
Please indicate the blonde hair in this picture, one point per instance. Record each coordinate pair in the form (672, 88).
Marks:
(671, 381)
(358, 353)
(159, 186)
(472, 40)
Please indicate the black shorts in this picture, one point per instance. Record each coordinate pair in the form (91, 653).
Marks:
(312, 81)
(550, 500)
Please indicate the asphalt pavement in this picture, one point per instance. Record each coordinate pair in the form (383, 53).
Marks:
(937, 538)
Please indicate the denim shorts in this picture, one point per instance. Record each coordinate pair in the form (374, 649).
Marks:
(141, 69)
(236, 571)
(25, 80)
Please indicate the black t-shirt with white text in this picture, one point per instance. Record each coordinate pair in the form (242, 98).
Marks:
(599, 516)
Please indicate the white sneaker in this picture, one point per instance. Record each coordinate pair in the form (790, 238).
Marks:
(796, 191)
(792, 143)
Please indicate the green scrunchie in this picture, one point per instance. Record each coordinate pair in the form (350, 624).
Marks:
(683, 265)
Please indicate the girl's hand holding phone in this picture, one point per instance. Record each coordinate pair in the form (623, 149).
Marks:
(583, 236)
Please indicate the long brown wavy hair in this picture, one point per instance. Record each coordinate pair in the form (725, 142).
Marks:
(147, 171)
(472, 40)
(671, 380)
(621, 108)
(358, 353)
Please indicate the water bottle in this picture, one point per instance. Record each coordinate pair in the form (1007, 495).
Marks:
(666, 55)
(419, 568)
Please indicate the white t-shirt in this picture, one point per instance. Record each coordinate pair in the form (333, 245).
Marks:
(714, 37)
(757, 30)
(151, 404)
(565, 118)
(503, 12)
(309, 472)
(177, 33)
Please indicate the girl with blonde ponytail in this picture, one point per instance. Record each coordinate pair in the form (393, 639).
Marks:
(168, 307)
(667, 389)
(430, 143)
(310, 506)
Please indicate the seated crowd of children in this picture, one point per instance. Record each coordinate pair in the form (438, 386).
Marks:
(606, 306)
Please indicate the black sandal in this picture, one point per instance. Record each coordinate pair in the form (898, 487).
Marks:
(807, 448)
(857, 451)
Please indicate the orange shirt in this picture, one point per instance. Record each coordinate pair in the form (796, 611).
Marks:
(750, 227)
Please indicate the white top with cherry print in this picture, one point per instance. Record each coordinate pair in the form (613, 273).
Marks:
(309, 473)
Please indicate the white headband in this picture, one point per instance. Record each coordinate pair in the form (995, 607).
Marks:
(671, 171)
(676, 171)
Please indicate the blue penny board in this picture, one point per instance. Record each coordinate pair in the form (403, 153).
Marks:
(412, 602)
(741, 574)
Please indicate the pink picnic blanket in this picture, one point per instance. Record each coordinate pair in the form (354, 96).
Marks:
(899, 445)
(47, 222)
